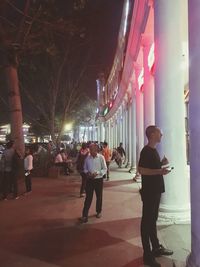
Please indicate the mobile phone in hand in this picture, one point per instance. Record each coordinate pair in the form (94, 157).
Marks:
(169, 168)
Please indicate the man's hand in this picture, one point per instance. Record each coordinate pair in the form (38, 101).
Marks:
(164, 171)
(91, 175)
(164, 161)
(94, 174)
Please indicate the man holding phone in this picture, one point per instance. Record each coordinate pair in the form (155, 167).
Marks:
(152, 170)
(94, 168)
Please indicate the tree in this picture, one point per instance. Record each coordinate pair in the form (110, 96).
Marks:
(8, 48)
(51, 49)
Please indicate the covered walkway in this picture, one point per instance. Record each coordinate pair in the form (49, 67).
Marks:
(42, 229)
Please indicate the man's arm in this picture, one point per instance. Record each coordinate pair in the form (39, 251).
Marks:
(103, 166)
(147, 171)
(123, 150)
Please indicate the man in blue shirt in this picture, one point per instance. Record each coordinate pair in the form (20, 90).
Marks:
(94, 168)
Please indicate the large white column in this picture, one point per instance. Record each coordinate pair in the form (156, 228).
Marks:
(120, 125)
(111, 134)
(129, 132)
(123, 124)
(169, 108)
(98, 131)
(126, 144)
(148, 86)
(133, 130)
(106, 132)
(194, 128)
(116, 131)
(139, 115)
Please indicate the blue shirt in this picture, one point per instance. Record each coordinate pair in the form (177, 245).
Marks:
(97, 164)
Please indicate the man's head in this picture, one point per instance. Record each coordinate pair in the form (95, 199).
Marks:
(120, 144)
(93, 150)
(84, 146)
(105, 144)
(153, 134)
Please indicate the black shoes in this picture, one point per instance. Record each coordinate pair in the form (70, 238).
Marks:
(161, 251)
(150, 261)
(84, 219)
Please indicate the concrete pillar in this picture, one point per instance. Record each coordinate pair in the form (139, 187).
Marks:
(129, 133)
(111, 134)
(194, 128)
(126, 144)
(120, 126)
(139, 115)
(115, 131)
(123, 122)
(133, 131)
(148, 87)
(169, 108)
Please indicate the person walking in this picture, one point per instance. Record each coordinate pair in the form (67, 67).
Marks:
(106, 152)
(95, 168)
(152, 170)
(28, 167)
(82, 155)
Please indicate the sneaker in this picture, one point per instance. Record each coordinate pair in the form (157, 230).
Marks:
(16, 197)
(84, 219)
(82, 195)
(150, 261)
(161, 251)
(98, 215)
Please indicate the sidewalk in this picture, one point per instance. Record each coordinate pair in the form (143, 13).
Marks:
(42, 229)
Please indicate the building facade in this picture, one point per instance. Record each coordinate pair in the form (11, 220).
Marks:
(153, 80)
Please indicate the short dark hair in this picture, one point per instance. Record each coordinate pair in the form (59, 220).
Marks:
(150, 129)
(84, 146)
(105, 143)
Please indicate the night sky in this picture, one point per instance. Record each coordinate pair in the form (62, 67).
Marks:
(103, 18)
(105, 15)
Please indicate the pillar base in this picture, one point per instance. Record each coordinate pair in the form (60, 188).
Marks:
(174, 215)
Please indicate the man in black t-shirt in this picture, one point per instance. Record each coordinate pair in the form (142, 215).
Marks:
(150, 168)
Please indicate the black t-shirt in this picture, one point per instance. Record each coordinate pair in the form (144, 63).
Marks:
(149, 158)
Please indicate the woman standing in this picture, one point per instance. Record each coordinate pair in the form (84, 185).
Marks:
(28, 166)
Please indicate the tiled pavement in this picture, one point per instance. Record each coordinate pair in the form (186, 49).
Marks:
(42, 229)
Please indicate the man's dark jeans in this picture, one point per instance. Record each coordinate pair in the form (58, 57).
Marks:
(148, 223)
(91, 186)
(83, 182)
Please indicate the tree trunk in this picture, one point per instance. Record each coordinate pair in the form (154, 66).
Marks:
(15, 108)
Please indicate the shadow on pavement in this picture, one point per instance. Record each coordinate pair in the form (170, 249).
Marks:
(54, 241)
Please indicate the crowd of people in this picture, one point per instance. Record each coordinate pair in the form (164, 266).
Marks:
(92, 162)
(39, 158)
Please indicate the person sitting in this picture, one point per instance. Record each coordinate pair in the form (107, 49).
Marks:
(60, 163)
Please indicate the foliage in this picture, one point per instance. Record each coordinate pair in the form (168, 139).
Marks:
(53, 48)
